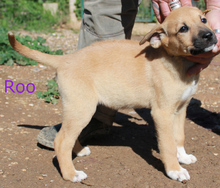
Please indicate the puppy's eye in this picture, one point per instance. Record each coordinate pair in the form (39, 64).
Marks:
(183, 29)
(204, 20)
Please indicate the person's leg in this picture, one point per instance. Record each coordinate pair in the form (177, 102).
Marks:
(102, 20)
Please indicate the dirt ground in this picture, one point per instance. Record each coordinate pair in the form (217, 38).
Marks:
(127, 158)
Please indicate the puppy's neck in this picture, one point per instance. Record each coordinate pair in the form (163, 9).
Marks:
(178, 66)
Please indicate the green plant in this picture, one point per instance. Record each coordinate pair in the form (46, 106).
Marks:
(145, 13)
(8, 56)
(78, 9)
(26, 14)
(201, 5)
(63, 5)
(52, 93)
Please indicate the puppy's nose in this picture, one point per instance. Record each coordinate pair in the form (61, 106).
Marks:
(207, 36)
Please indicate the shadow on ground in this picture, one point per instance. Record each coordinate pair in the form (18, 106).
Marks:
(142, 137)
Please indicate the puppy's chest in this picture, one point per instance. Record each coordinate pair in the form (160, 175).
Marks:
(189, 91)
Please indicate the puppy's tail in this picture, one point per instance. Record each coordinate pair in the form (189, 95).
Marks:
(47, 59)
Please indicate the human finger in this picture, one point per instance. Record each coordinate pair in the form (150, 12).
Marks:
(186, 3)
(161, 10)
(156, 9)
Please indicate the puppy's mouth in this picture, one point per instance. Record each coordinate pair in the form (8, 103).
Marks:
(205, 41)
(197, 51)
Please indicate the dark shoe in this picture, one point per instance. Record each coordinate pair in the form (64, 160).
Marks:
(47, 135)
(94, 129)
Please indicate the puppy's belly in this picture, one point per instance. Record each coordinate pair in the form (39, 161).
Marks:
(126, 100)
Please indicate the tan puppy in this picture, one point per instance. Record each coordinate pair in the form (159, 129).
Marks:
(123, 74)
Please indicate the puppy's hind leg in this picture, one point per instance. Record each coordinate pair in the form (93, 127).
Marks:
(73, 123)
(79, 150)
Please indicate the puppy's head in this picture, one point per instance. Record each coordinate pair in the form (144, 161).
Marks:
(184, 32)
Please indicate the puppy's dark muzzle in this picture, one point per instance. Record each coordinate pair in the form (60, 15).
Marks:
(204, 42)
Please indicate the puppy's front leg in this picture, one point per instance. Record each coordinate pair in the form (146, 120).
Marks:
(179, 122)
(163, 119)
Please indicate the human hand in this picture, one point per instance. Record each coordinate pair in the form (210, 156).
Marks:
(162, 9)
(203, 60)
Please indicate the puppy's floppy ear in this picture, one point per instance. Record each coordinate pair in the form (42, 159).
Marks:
(154, 37)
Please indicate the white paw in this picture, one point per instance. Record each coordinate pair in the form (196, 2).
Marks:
(84, 152)
(179, 175)
(185, 158)
(80, 175)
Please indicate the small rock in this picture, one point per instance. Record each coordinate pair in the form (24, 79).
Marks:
(24, 132)
(194, 138)
(211, 88)
(36, 70)
(14, 163)
(132, 112)
(11, 77)
(40, 178)
(42, 66)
